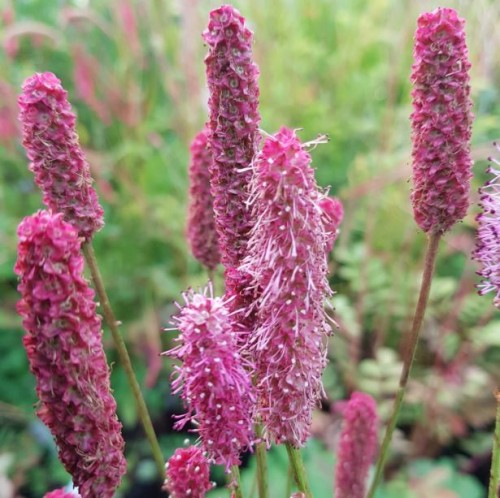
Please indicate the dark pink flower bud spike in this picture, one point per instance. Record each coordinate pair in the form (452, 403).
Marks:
(57, 160)
(64, 347)
(201, 233)
(357, 446)
(233, 125)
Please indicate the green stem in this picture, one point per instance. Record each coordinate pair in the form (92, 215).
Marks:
(261, 453)
(494, 489)
(298, 469)
(235, 483)
(430, 259)
(121, 348)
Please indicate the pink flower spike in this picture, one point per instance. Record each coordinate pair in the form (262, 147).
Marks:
(60, 493)
(212, 379)
(201, 233)
(64, 348)
(188, 474)
(57, 160)
(357, 446)
(441, 121)
(332, 214)
(234, 126)
(286, 261)
(487, 251)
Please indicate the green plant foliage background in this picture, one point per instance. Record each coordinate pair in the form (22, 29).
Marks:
(135, 75)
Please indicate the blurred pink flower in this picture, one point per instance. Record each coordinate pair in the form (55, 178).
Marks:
(201, 233)
(441, 121)
(332, 215)
(234, 127)
(212, 379)
(487, 251)
(60, 493)
(286, 260)
(188, 474)
(357, 446)
(64, 348)
(57, 160)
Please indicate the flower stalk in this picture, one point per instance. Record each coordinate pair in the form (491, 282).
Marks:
(121, 348)
(298, 469)
(494, 487)
(261, 454)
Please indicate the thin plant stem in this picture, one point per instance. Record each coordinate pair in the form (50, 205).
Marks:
(261, 453)
(494, 488)
(430, 259)
(234, 482)
(298, 469)
(289, 478)
(112, 323)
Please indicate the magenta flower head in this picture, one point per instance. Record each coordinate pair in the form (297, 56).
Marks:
(212, 379)
(333, 214)
(441, 121)
(287, 262)
(201, 233)
(357, 446)
(188, 474)
(60, 493)
(487, 251)
(234, 126)
(64, 347)
(57, 160)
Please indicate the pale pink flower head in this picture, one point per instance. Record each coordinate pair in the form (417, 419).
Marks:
(188, 474)
(441, 121)
(357, 446)
(57, 160)
(487, 251)
(212, 379)
(60, 493)
(332, 215)
(234, 126)
(65, 353)
(201, 233)
(286, 261)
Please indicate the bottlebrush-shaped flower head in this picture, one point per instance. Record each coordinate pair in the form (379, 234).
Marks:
(201, 233)
(233, 124)
(212, 379)
(287, 262)
(357, 446)
(333, 214)
(60, 493)
(441, 121)
(188, 474)
(63, 343)
(57, 160)
(487, 251)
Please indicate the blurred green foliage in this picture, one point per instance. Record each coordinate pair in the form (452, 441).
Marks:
(134, 72)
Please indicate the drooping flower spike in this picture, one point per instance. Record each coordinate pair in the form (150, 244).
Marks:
(357, 446)
(234, 120)
(201, 233)
(188, 474)
(64, 347)
(487, 251)
(441, 121)
(286, 260)
(57, 160)
(212, 379)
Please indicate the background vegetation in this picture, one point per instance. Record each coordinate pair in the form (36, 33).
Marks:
(135, 75)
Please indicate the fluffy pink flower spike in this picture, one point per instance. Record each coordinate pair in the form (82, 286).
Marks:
(212, 379)
(188, 474)
(64, 347)
(233, 125)
(487, 251)
(60, 493)
(57, 160)
(333, 214)
(201, 233)
(357, 446)
(441, 121)
(286, 260)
